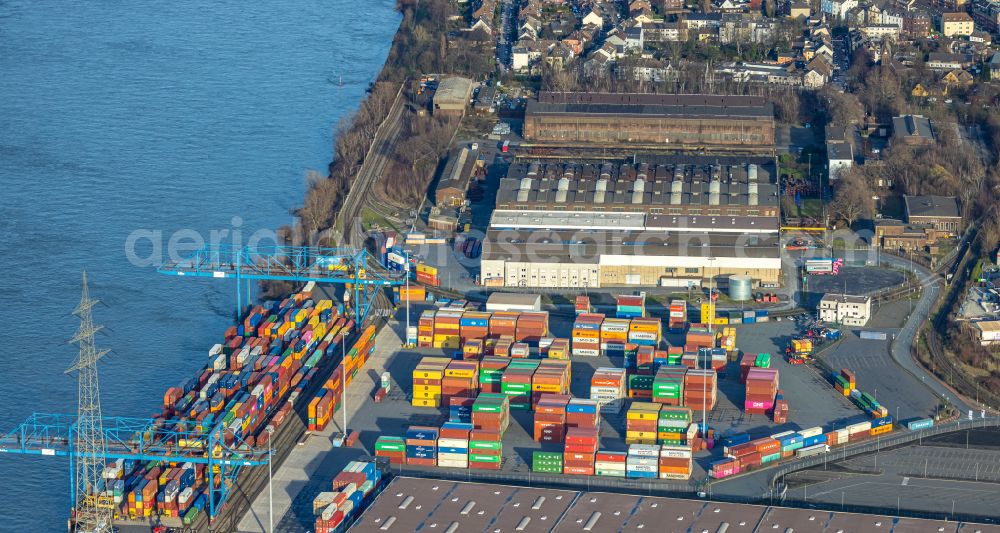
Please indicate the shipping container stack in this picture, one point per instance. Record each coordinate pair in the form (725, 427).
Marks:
(675, 461)
(640, 387)
(672, 425)
(427, 379)
(845, 382)
(583, 413)
(531, 326)
(453, 445)
(645, 332)
(630, 306)
(881, 426)
(610, 464)
(726, 339)
(447, 329)
(461, 380)
(503, 346)
(641, 421)
(698, 336)
(491, 412)
(608, 387)
(460, 409)
(644, 361)
(707, 315)
(761, 388)
(472, 349)
(550, 418)
(868, 404)
(546, 462)
(780, 414)
(520, 350)
(746, 364)
(393, 448)
(700, 389)
(421, 446)
(677, 322)
(551, 376)
(789, 442)
(582, 305)
(485, 449)
(516, 382)
(247, 388)
(557, 349)
(413, 294)
(428, 275)
(504, 324)
(580, 450)
(326, 402)
(643, 461)
(491, 370)
(668, 385)
(474, 326)
(614, 335)
(425, 329)
(587, 335)
(353, 490)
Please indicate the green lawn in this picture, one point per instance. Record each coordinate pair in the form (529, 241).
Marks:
(811, 207)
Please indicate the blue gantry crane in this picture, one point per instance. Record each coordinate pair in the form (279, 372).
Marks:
(346, 266)
(141, 439)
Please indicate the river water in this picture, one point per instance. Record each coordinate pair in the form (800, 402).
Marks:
(137, 122)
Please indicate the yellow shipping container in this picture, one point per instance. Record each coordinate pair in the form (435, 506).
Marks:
(545, 387)
(614, 335)
(425, 402)
(427, 269)
(587, 333)
(323, 305)
(427, 373)
(448, 345)
(721, 321)
(669, 435)
(427, 391)
(460, 373)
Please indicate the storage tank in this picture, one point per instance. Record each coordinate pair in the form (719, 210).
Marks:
(740, 287)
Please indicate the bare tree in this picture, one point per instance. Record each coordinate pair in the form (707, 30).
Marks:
(852, 199)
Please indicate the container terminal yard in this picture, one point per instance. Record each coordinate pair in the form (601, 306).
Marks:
(369, 398)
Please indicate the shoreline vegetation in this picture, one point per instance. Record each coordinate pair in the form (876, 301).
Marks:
(418, 46)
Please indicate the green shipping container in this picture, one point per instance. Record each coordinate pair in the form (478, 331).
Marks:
(390, 444)
(769, 458)
(484, 445)
(763, 360)
(640, 382)
(610, 473)
(480, 458)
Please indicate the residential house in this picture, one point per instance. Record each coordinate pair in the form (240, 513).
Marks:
(664, 32)
(919, 91)
(837, 8)
(672, 6)
(916, 24)
(913, 130)
(943, 61)
(994, 66)
(697, 21)
(960, 23)
(957, 78)
(594, 17)
(986, 14)
(651, 70)
(892, 17)
(799, 10)
(880, 32)
(839, 150)
(818, 73)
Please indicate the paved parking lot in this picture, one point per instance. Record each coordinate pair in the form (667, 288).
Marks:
(900, 392)
(923, 478)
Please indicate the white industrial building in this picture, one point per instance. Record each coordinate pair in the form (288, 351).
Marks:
(845, 309)
(674, 223)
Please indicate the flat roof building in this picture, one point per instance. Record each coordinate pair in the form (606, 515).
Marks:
(503, 301)
(845, 309)
(671, 120)
(454, 181)
(666, 220)
(411, 504)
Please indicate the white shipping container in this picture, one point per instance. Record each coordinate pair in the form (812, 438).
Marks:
(677, 454)
(812, 450)
(453, 457)
(644, 450)
(811, 432)
(453, 464)
(642, 335)
(643, 468)
(215, 350)
(452, 443)
(667, 475)
(673, 424)
(219, 363)
(842, 435)
(605, 465)
(614, 328)
(782, 434)
(860, 427)
(582, 352)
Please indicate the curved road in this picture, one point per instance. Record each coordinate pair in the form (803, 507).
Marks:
(900, 348)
